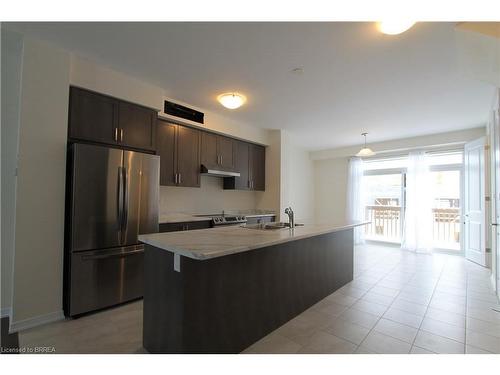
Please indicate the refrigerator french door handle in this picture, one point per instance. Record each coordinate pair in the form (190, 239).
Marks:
(119, 205)
(125, 199)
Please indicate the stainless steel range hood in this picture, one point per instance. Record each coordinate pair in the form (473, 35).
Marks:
(218, 172)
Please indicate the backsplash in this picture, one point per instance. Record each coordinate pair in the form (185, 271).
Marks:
(209, 198)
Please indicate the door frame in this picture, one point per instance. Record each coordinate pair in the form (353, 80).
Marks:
(478, 143)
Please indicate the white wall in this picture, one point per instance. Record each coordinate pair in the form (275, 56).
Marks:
(209, 198)
(297, 179)
(330, 168)
(89, 75)
(39, 228)
(270, 199)
(12, 49)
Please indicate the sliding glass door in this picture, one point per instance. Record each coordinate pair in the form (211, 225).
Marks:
(446, 209)
(384, 206)
(384, 189)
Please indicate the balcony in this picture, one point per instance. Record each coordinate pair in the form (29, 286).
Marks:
(386, 225)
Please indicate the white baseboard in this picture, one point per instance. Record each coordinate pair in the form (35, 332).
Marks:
(36, 321)
(4, 312)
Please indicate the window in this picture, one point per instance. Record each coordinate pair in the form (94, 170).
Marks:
(384, 185)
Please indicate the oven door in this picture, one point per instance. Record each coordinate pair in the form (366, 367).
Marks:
(102, 278)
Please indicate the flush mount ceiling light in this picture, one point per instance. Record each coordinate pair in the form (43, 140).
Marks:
(394, 27)
(231, 100)
(365, 151)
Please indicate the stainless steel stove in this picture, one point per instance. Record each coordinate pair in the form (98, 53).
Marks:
(223, 219)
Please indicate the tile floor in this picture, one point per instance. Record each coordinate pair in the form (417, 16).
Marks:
(398, 302)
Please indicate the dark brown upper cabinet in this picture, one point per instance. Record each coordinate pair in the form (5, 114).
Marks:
(217, 151)
(137, 126)
(92, 116)
(179, 150)
(241, 165)
(99, 118)
(250, 161)
(257, 167)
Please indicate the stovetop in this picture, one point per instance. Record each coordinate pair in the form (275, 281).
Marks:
(225, 219)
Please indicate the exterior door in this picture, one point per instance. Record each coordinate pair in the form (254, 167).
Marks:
(95, 217)
(475, 198)
(496, 192)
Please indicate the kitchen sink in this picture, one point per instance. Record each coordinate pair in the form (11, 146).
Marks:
(270, 226)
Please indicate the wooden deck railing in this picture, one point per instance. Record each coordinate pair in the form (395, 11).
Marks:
(386, 223)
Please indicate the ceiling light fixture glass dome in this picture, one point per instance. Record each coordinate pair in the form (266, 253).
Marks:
(394, 27)
(365, 151)
(231, 100)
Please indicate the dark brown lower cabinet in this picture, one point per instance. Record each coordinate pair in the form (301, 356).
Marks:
(185, 225)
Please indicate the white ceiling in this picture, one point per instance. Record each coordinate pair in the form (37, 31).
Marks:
(355, 79)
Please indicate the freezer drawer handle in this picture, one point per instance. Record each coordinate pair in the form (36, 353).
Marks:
(114, 255)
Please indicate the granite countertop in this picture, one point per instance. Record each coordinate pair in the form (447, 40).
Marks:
(217, 242)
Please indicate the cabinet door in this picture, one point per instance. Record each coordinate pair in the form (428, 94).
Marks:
(93, 117)
(166, 149)
(241, 165)
(188, 156)
(136, 126)
(209, 155)
(225, 150)
(258, 167)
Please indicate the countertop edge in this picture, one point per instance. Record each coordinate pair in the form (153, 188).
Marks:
(241, 249)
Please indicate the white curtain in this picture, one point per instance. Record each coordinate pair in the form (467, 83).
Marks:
(417, 228)
(355, 197)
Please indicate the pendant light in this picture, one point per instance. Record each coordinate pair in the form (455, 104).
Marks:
(365, 151)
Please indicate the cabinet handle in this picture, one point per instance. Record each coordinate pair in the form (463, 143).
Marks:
(180, 179)
(121, 135)
(175, 178)
(116, 134)
(221, 159)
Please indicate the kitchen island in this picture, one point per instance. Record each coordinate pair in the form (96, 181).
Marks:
(220, 290)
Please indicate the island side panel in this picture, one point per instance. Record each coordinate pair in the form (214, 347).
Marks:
(230, 302)
(163, 303)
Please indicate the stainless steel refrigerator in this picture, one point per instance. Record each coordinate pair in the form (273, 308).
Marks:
(112, 197)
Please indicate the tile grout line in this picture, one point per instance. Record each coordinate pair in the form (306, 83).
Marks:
(388, 307)
(427, 308)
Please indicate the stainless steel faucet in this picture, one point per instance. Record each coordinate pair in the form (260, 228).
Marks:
(291, 219)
